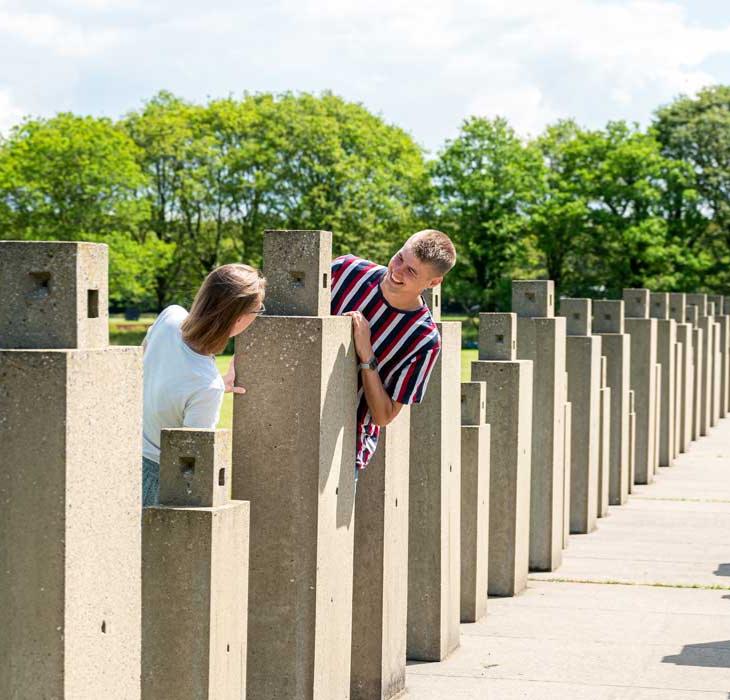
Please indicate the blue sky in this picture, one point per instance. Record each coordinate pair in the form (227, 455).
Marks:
(423, 64)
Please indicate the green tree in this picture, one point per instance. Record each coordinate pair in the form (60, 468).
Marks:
(561, 214)
(696, 130)
(486, 181)
(222, 173)
(74, 178)
(628, 182)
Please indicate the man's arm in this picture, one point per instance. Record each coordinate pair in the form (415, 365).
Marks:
(383, 409)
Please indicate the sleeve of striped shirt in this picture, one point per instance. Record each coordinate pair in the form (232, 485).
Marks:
(336, 267)
(413, 380)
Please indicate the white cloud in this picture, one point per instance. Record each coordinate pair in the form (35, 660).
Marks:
(10, 112)
(59, 35)
(425, 64)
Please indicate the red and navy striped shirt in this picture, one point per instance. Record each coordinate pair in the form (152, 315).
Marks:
(405, 343)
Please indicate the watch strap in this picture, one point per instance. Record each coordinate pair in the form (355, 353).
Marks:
(372, 363)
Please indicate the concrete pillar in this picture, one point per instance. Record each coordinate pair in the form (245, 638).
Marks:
(541, 339)
(697, 363)
(706, 324)
(686, 382)
(632, 441)
(567, 462)
(677, 426)
(604, 444)
(722, 319)
(475, 438)
(717, 362)
(70, 481)
(657, 414)
(583, 359)
(293, 460)
(643, 332)
(195, 574)
(684, 376)
(726, 312)
(509, 413)
(380, 574)
(434, 549)
(666, 357)
(608, 322)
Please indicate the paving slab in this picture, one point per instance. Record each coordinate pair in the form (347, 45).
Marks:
(662, 632)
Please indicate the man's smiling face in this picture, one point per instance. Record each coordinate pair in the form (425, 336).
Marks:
(407, 275)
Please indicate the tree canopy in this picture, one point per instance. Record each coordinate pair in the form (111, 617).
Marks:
(176, 188)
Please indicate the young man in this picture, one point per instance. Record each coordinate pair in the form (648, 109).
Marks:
(396, 339)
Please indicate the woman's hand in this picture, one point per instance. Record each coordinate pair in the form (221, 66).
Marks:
(229, 379)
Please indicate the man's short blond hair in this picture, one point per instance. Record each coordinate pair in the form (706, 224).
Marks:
(435, 248)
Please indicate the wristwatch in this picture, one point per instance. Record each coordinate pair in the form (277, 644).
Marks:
(372, 363)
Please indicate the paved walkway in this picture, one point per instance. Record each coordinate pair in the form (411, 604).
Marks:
(639, 610)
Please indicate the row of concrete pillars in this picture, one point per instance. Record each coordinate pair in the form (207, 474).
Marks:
(267, 572)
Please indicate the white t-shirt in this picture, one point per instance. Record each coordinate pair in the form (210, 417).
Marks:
(182, 388)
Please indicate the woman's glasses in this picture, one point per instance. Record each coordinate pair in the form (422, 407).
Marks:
(260, 311)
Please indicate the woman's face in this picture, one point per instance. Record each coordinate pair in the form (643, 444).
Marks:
(244, 321)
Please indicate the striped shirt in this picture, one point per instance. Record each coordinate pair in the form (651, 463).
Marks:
(406, 344)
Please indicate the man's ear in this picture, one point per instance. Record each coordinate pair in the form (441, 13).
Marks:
(435, 282)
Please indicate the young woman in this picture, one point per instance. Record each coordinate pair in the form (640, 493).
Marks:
(182, 385)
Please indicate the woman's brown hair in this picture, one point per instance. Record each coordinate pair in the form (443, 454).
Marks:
(227, 293)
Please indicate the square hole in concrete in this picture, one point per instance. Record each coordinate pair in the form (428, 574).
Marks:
(187, 467)
(92, 303)
(40, 285)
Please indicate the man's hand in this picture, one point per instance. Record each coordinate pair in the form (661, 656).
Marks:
(361, 334)
(229, 379)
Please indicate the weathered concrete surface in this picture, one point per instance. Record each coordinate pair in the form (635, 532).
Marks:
(434, 549)
(195, 544)
(54, 295)
(716, 378)
(509, 413)
(297, 270)
(723, 324)
(195, 467)
(722, 317)
(685, 376)
(698, 355)
(194, 594)
(542, 340)
(677, 425)
(70, 543)
(583, 361)
(597, 641)
(706, 358)
(604, 440)
(717, 386)
(475, 454)
(657, 413)
(666, 344)
(632, 441)
(380, 571)
(567, 462)
(432, 297)
(643, 383)
(686, 384)
(300, 380)
(608, 322)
